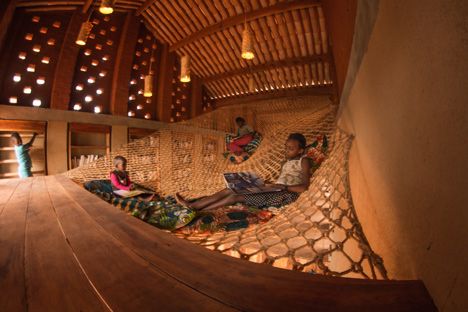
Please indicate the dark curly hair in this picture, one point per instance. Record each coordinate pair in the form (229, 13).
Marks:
(299, 138)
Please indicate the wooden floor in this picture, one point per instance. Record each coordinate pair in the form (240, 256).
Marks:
(62, 248)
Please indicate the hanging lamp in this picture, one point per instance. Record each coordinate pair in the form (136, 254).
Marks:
(247, 46)
(148, 88)
(85, 29)
(107, 6)
(185, 69)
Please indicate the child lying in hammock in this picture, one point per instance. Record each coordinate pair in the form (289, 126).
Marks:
(121, 183)
(293, 180)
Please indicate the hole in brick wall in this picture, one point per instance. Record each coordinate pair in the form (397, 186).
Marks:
(109, 42)
(91, 36)
(31, 68)
(22, 55)
(79, 87)
(36, 102)
(148, 37)
(29, 37)
(84, 68)
(43, 30)
(146, 50)
(27, 90)
(138, 53)
(106, 18)
(16, 77)
(131, 97)
(13, 100)
(140, 91)
(148, 100)
(57, 24)
(133, 82)
(97, 109)
(103, 73)
(45, 60)
(98, 47)
(77, 107)
(88, 98)
(144, 63)
(36, 19)
(91, 79)
(51, 42)
(142, 76)
(99, 91)
(105, 57)
(140, 40)
(154, 46)
(113, 28)
(36, 48)
(135, 66)
(131, 114)
(40, 80)
(147, 116)
(139, 106)
(87, 52)
(95, 62)
(102, 32)
(95, 21)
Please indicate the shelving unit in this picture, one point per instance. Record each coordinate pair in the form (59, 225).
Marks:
(8, 162)
(138, 133)
(86, 143)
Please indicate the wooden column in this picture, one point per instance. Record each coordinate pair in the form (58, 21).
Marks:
(196, 97)
(123, 66)
(163, 96)
(63, 77)
(7, 10)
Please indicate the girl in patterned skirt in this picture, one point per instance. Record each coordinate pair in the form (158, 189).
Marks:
(293, 180)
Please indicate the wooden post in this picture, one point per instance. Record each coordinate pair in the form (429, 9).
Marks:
(196, 97)
(163, 96)
(123, 66)
(63, 77)
(7, 10)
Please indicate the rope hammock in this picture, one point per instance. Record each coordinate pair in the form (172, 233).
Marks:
(319, 233)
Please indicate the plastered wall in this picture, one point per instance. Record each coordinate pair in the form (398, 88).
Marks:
(406, 99)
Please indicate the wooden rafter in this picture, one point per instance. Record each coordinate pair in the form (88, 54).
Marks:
(240, 18)
(86, 5)
(268, 66)
(144, 6)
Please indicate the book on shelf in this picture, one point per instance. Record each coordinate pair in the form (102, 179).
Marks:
(247, 183)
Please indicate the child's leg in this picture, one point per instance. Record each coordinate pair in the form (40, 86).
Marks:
(225, 201)
(200, 204)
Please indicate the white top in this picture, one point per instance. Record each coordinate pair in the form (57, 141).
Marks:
(291, 172)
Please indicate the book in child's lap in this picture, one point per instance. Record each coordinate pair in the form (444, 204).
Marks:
(132, 193)
(247, 183)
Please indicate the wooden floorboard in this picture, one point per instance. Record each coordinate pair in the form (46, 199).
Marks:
(244, 285)
(12, 230)
(53, 276)
(7, 187)
(126, 281)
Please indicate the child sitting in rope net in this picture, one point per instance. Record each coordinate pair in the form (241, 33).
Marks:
(141, 202)
(241, 146)
(294, 179)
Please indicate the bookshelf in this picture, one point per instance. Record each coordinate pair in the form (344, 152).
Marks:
(8, 163)
(86, 143)
(138, 133)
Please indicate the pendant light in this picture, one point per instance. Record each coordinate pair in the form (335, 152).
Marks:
(185, 69)
(107, 6)
(85, 29)
(148, 88)
(247, 46)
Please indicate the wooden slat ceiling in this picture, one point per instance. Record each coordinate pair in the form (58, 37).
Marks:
(290, 40)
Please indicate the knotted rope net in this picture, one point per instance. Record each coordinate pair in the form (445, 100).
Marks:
(319, 233)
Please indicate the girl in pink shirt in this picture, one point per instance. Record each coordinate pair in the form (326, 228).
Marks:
(121, 180)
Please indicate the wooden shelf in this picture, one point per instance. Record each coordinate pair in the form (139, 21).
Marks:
(89, 147)
(25, 128)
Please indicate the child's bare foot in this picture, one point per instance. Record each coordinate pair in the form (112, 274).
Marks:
(182, 200)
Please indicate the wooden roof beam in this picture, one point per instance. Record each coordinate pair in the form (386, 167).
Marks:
(144, 7)
(270, 65)
(86, 5)
(249, 16)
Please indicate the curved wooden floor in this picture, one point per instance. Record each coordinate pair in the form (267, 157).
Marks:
(62, 248)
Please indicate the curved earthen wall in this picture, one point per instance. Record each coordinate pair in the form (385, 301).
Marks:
(406, 101)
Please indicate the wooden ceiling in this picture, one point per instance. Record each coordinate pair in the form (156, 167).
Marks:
(290, 40)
